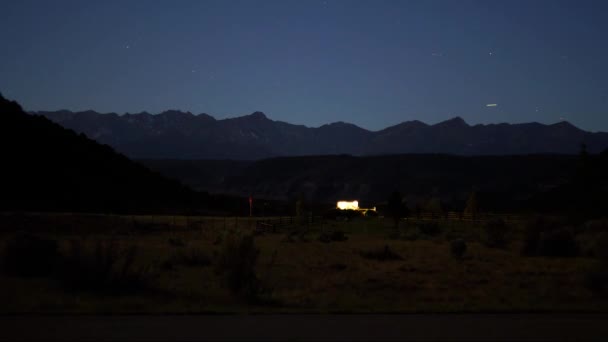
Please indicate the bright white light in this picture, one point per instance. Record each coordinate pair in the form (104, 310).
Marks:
(345, 205)
(491, 105)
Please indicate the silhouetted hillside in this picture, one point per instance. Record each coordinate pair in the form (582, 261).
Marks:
(46, 167)
(504, 183)
(178, 135)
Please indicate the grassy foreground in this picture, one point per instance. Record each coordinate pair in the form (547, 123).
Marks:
(373, 270)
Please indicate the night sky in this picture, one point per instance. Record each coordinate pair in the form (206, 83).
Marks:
(372, 63)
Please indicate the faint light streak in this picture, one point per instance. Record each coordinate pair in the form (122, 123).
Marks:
(492, 105)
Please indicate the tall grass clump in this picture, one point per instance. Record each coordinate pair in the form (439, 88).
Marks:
(236, 263)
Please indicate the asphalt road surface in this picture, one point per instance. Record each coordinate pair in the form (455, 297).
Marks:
(412, 327)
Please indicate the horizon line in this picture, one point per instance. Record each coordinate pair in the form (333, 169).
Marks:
(455, 118)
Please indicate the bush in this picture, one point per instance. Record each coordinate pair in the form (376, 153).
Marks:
(495, 233)
(191, 257)
(429, 228)
(176, 242)
(371, 213)
(558, 243)
(339, 214)
(595, 226)
(337, 267)
(382, 254)
(334, 236)
(549, 238)
(236, 265)
(28, 255)
(109, 269)
(394, 234)
(597, 279)
(600, 248)
(533, 231)
(458, 248)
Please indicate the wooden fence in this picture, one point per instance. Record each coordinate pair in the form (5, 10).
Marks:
(281, 223)
(460, 216)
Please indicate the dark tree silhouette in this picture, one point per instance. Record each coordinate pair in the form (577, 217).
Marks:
(397, 208)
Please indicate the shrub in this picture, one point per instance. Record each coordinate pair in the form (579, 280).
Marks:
(192, 257)
(549, 238)
(458, 248)
(337, 267)
(600, 248)
(28, 255)
(495, 233)
(533, 231)
(236, 264)
(429, 228)
(394, 234)
(109, 269)
(558, 243)
(176, 242)
(371, 213)
(333, 236)
(339, 214)
(595, 226)
(594, 245)
(597, 279)
(381, 254)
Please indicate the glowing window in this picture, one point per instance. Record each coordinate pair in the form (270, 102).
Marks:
(346, 205)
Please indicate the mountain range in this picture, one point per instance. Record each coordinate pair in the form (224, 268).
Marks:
(182, 135)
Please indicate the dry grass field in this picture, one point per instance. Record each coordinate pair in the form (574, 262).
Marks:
(172, 265)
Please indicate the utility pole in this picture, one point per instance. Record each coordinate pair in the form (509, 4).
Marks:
(250, 206)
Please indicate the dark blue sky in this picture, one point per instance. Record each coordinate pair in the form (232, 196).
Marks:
(372, 63)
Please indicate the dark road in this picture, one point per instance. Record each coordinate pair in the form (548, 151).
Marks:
(413, 327)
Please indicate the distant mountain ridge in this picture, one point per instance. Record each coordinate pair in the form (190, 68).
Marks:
(183, 135)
